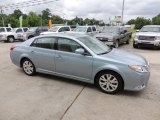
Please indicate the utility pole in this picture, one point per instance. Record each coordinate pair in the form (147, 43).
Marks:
(123, 11)
(2, 16)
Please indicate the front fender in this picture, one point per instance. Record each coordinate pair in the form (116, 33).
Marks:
(108, 67)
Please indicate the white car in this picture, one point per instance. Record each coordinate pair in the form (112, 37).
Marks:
(57, 29)
(148, 36)
(9, 34)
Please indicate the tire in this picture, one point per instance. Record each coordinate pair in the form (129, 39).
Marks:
(116, 44)
(134, 45)
(10, 39)
(28, 67)
(127, 42)
(109, 82)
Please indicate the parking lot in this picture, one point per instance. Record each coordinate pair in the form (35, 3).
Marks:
(45, 97)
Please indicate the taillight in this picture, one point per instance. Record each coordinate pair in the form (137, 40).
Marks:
(12, 47)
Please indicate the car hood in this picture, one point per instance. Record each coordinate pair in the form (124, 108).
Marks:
(105, 35)
(148, 34)
(125, 57)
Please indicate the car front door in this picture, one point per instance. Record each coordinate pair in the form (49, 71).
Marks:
(69, 63)
(43, 54)
(89, 31)
(19, 34)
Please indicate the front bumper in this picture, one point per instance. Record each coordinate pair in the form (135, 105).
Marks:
(146, 43)
(135, 81)
(109, 43)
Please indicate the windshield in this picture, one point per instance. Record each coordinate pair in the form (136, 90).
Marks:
(32, 29)
(95, 45)
(110, 30)
(150, 29)
(53, 29)
(2, 30)
(80, 29)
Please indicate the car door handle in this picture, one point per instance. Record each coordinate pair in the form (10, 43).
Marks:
(58, 57)
(32, 51)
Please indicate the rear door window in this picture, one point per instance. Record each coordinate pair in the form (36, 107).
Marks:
(19, 30)
(8, 29)
(93, 28)
(45, 42)
(89, 29)
(25, 29)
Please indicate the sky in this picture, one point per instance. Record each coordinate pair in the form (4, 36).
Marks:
(98, 9)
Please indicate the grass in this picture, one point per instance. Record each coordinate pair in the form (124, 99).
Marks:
(132, 31)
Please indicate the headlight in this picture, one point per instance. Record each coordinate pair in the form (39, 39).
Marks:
(139, 68)
(136, 37)
(157, 38)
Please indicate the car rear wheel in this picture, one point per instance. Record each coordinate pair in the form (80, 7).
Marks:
(10, 39)
(109, 82)
(28, 67)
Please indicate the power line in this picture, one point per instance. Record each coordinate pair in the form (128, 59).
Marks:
(26, 4)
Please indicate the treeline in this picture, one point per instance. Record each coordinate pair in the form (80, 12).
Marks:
(33, 19)
(141, 21)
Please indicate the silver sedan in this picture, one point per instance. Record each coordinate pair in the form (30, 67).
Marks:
(83, 58)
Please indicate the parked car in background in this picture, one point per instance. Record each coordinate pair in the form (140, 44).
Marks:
(114, 35)
(148, 36)
(89, 30)
(57, 29)
(83, 58)
(19, 32)
(8, 34)
(34, 31)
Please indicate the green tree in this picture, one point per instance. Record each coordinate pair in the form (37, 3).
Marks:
(141, 21)
(156, 20)
(130, 22)
(33, 19)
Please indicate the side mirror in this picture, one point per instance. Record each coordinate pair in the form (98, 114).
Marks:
(137, 30)
(80, 51)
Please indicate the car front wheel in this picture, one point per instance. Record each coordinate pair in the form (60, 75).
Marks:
(28, 67)
(109, 82)
(10, 39)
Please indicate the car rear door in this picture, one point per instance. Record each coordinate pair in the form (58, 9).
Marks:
(68, 63)
(43, 54)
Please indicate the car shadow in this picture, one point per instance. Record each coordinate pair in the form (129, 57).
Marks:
(80, 83)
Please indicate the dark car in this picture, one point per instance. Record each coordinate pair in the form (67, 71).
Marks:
(114, 35)
(34, 31)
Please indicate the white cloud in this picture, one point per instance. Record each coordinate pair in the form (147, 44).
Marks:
(98, 9)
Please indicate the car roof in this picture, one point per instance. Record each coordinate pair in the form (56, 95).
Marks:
(152, 26)
(68, 35)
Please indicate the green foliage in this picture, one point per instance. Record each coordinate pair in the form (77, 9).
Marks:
(130, 22)
(140, 22)
(33, 19)
(156, 20)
